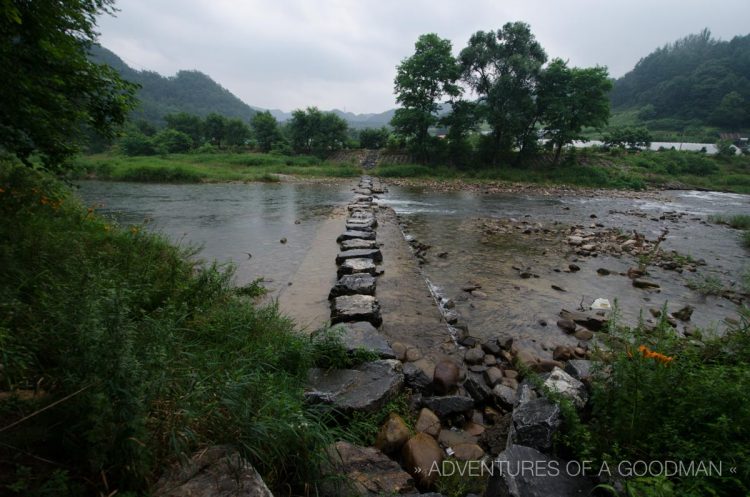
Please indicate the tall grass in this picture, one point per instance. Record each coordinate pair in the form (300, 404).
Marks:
(121, 353)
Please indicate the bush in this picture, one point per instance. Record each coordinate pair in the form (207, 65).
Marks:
(660, 397)
(173, 141)
(136, 143)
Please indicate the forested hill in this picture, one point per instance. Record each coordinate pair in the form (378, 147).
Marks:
(188, 91)
(695, 78)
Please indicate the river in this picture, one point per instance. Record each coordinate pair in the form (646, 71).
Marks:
(230, 221)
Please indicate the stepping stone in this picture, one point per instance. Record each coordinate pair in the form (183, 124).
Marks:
(358, 227)
(353, 284)
(373, 254)
(359, 206)
(351, 308)
(362, 335)
(358, 243)
(353, 266)
(362, 198)
(351, 234)
(367, 388)
(360, 223)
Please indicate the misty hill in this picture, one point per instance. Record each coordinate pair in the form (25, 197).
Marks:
(696, 78)
(187, 91)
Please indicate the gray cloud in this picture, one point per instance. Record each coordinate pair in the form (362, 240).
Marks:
(342, 54)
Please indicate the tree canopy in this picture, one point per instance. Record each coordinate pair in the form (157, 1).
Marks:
(697, 77)
(314, 132)
(52, 94)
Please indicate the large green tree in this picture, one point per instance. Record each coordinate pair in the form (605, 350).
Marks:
(314, 132)
(266, 130)
(189, 124)
(421, 81)
(571, 98)
(502, 67)
(52, 95)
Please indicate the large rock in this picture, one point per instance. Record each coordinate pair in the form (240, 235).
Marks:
(366, 471)
(445, 377)
(428, 422)
(476, 387)
(561, 382)
(534, 423)
(354, 266)
(449, 405)
(350, 308)
(591, 321)
(468, 452)
(351, 235)
(362, 335)
(505, 396)
(358, 243)
(366, 388)
(392, 435)
(580, 369)
(509, 479)
(353, 284)
(422, 457)
(373, 254)
(218, 471)
(416, 378)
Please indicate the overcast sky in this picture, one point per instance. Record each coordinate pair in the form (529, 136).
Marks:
(288, 54)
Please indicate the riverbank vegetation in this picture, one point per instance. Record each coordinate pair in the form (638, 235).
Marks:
(122, 353)
(660, 397)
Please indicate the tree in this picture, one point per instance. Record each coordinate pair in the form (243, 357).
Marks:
(215, 128)
(51, 93)
(134, 142)
(236, 132)
(189, 124)
(172, 141)
(626, 136)
(461, 120)
(421, 81)
(374, 138)
(731, 111)
(571, 98)
(503, 69)
(316, 132)
(266, 130)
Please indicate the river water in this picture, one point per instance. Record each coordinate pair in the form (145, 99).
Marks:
(231, 220)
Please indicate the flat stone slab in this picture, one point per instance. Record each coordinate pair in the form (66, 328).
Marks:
(509, 479)
(367, 222)
(351, 308)
(366, 388)
(364, 336)
(353, 284)
(373, 254)
(359, 206)
(354, 266)
(358, 243)
(361, 214)
(367, 470)
(352, 234)
(358, 227)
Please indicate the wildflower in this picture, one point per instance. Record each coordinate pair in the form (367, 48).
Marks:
(650, 354)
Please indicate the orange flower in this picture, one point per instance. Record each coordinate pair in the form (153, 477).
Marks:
(650, 354)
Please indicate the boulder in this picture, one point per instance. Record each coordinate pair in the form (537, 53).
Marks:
(474, 355)
(353, 266)
(445, 377)
(567, 325)
(416, 378)
(562, 353)
(561, 382)
(579, 369)
(534, 423)
(362, 335)
(449, 404)
(476, 387)
(428, 422)
(509, 479)
(392, 435)
(366, 471)
(591, 321)
(368, 387)
(351, 235)
(421, 456)
(349, 308)
(504, 396)
(493, 376)
(353, 284)
(468, 452)
(449, 438)
(217, 471)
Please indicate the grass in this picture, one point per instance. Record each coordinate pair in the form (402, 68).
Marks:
(658, 397)
(121, 353)
(206, 167)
